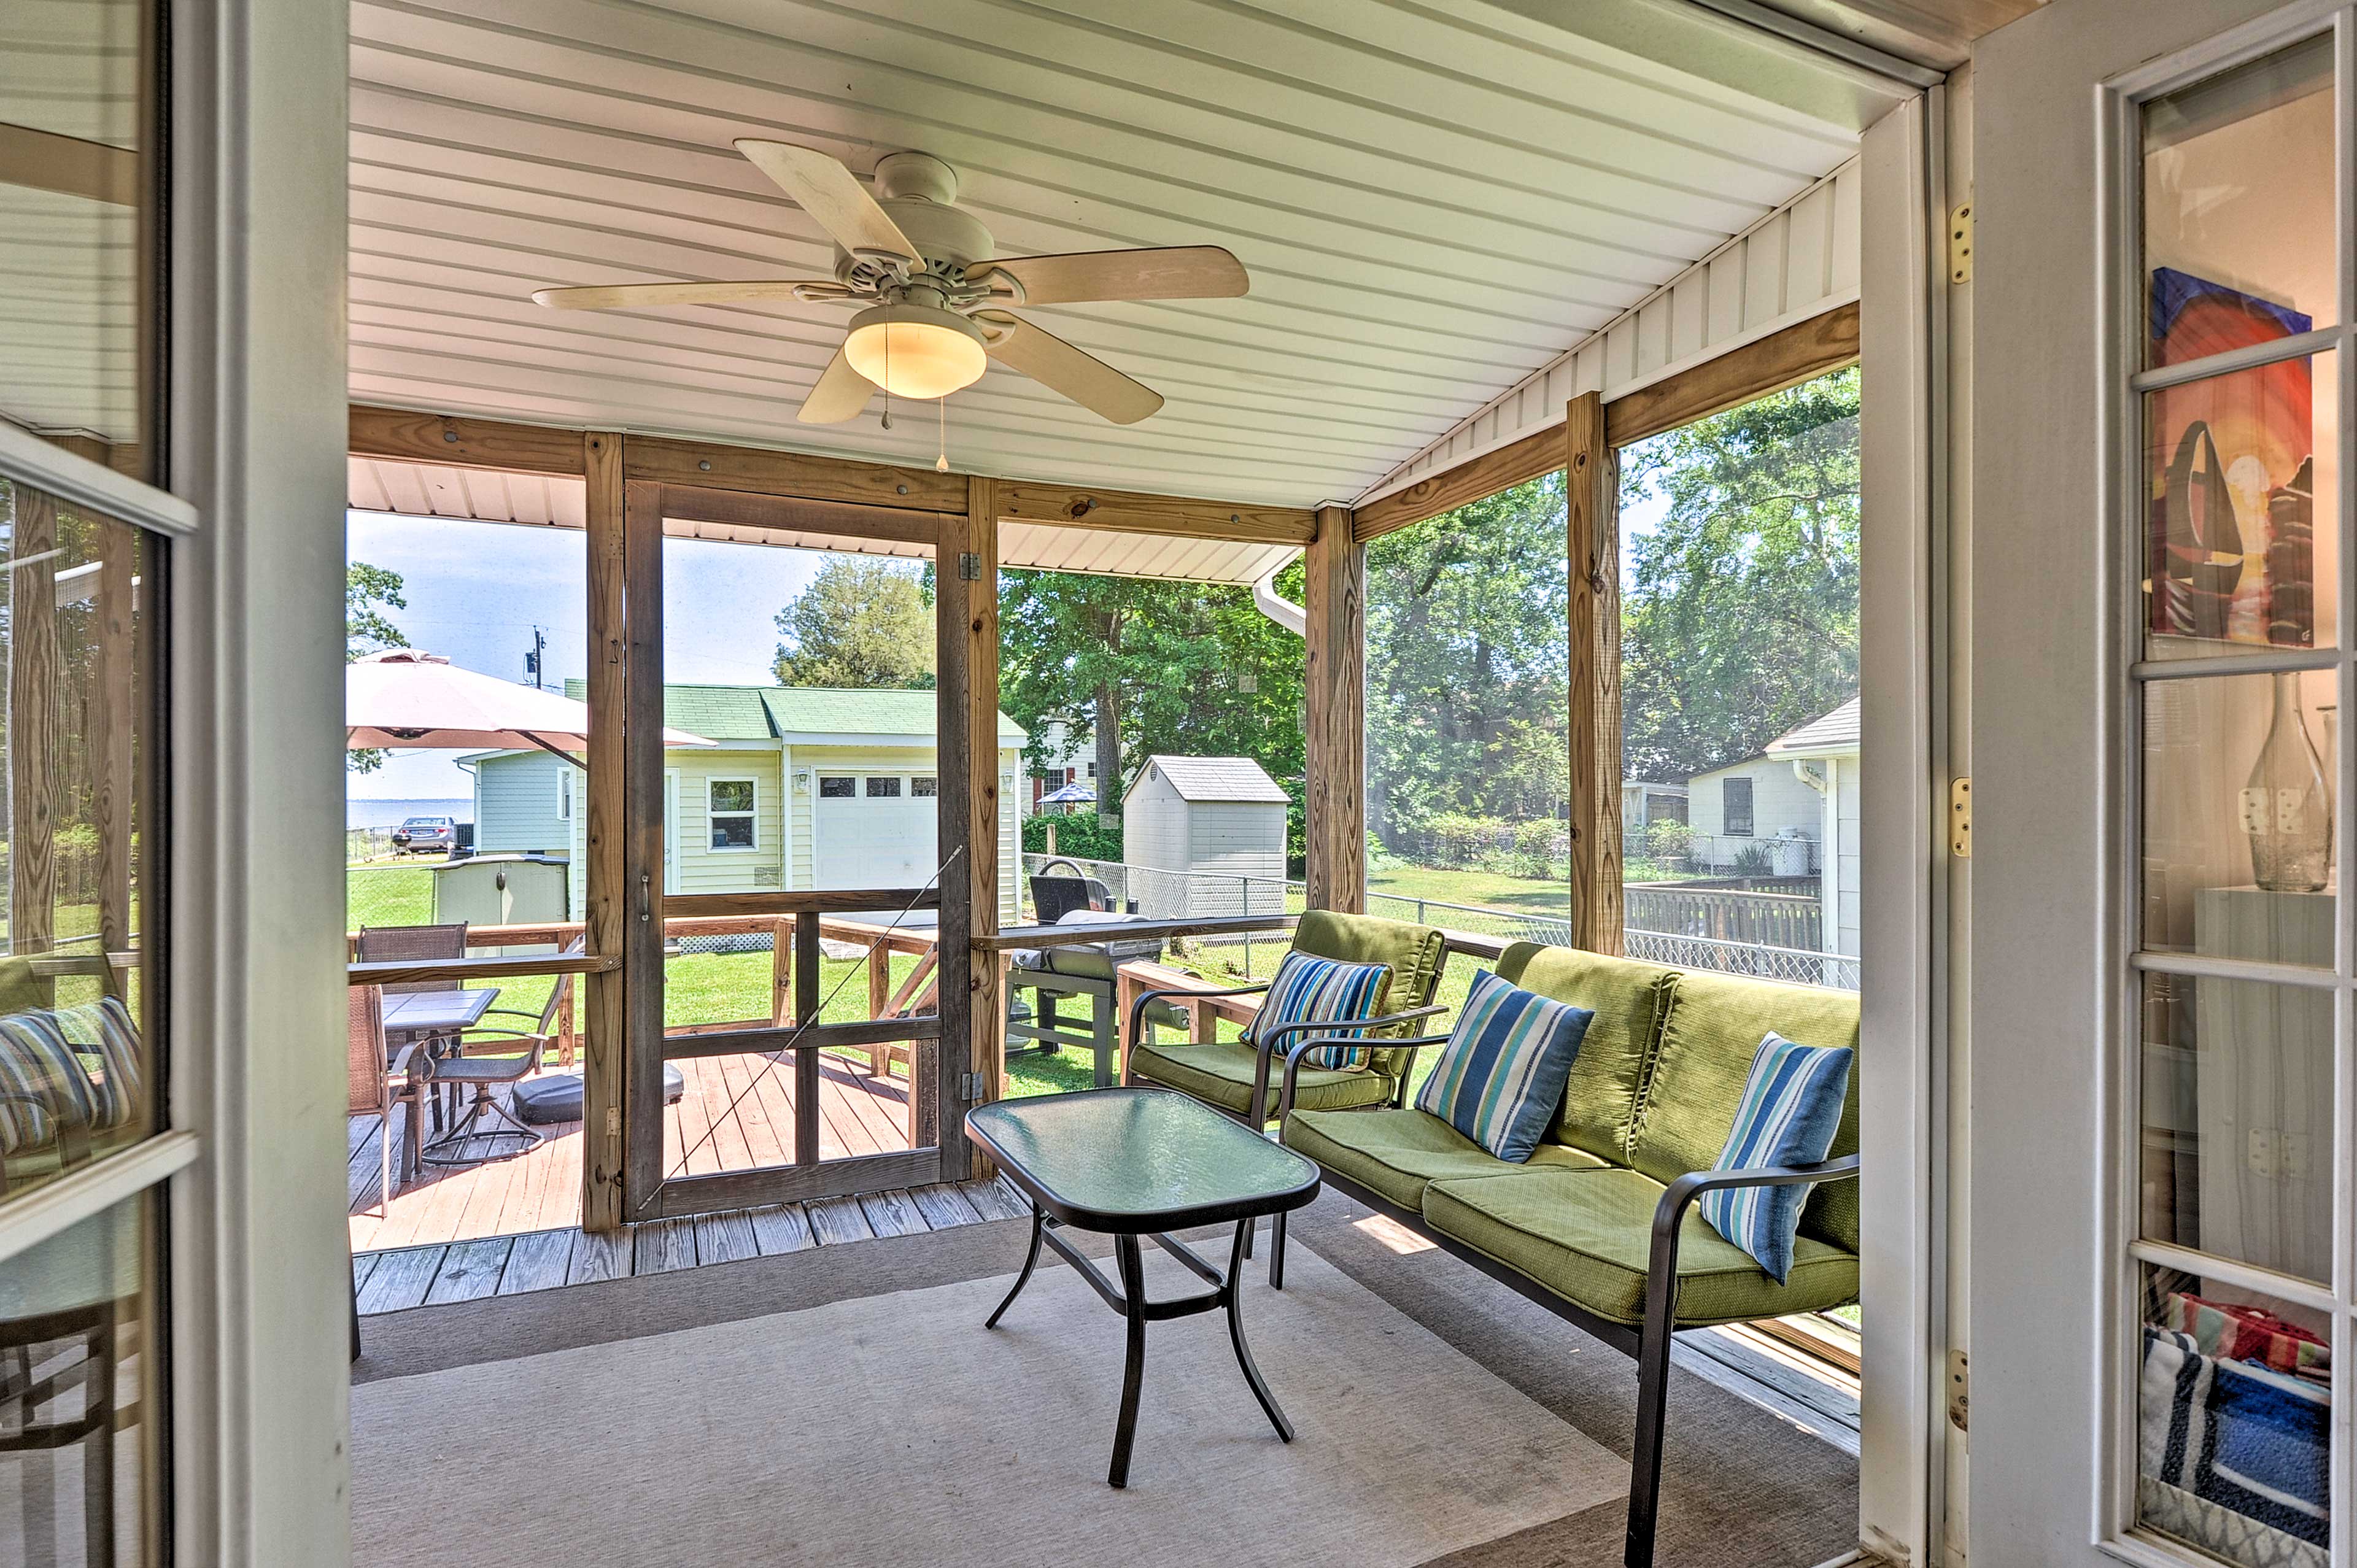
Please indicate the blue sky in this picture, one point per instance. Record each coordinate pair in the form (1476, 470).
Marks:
(476, 590)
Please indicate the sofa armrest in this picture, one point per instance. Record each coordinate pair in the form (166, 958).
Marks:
(1264, 1045)
(1669, 1215)
(1300, 1049)
(1137, 1007)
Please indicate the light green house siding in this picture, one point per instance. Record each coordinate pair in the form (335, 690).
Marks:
(783, 740)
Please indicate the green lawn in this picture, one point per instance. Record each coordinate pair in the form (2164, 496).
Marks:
(1482, 889)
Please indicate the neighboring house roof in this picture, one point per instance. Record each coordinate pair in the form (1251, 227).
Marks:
(1214, 779)
(1736, 765)
(1833, 733)
(770, 713)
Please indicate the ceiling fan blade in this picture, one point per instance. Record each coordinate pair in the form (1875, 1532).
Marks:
(1079, 375)
(831, 193)
(841, 393)
(1177, 271)
(616, 295)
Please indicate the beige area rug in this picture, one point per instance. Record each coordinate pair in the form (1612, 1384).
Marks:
(896, 1430)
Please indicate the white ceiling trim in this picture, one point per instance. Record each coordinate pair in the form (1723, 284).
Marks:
(1799, 261)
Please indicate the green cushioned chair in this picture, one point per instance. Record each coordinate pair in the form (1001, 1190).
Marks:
(1235, 1075)
(1600, 1226)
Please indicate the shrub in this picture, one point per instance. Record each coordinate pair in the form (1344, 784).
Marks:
(1668, 839)
(1755, 860)
(1542, 848)
(1082, 837)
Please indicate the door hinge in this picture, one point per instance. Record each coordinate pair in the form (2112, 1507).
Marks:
(1960, 1390)
(1960, 244)
(1960, 818)
(970, 567)
(970, 1087)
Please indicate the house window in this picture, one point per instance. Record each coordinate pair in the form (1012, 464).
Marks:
(1736, 809)
(837, 787)
(565, 795)
(1054, 778)
(924, 786)
(1093, 769)
(732, 813)
(880, 787)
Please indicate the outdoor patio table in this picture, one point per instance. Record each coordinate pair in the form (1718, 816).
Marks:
(435, 1018)
(1132, 1163)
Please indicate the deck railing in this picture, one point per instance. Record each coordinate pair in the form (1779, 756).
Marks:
(1725, 914)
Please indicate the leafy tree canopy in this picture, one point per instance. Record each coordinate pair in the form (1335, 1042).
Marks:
(1739, 611)
(861, 623)
(1468, 665)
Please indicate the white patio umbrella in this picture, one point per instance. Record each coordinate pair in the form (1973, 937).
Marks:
(403, 697)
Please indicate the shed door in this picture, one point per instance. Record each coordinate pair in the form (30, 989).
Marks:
(874, 830)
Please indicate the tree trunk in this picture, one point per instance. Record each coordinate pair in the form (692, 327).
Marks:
(1108, 753)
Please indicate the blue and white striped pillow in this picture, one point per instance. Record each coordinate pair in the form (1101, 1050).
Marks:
(1792, 1109)
(1312, 990)
(1500, 1076)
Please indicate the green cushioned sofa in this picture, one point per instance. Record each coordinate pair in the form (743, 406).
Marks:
(1600, 1226)
(1231, 1075)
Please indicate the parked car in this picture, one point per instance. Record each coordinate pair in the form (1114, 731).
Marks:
(425, 836)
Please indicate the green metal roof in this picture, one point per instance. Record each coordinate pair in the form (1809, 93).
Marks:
(764, 712)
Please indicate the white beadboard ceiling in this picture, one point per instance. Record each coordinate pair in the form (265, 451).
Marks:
(1435, 202)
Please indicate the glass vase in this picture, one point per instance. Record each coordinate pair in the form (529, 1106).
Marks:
(2286, 811)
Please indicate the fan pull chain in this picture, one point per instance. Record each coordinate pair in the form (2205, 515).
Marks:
(887, 376)
(941, 427)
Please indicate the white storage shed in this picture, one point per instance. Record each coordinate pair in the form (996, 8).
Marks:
(1204, 836)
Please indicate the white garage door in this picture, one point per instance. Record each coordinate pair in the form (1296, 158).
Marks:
(875, 830)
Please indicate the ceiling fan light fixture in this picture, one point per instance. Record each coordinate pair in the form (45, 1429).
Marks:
(916, 351)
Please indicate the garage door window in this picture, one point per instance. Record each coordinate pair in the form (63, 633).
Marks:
(923, 787)
(837, 788)
(732, 813)
(877, 787)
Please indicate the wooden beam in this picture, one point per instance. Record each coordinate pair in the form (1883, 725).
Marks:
(1131, 512)
(724, 1040)
(886, 1172)
(966, 638)
(1592, 540)
(808, 1000)
(1780, 360)
(1798, 353)
(1335, 730)
(794, 901)
(642, 845)
(33, 762)
(114, 720)
(798, 514)
(808, 476)
(457, 972)
(604, 1014)
(1470, 480)
(1131, 931)
(413, 438)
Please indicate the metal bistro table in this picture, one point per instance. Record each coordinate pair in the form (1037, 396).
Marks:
(430, 1017)
(1132, 1163)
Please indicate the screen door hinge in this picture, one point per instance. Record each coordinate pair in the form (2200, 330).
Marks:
(1960, 242)
(1960, 1390)
(1960, 818)
(970, 567)
(970, 1088)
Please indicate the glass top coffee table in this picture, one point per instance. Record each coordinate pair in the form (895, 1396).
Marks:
(1142, 1163)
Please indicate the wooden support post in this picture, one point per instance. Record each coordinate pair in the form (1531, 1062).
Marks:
(1336, 730)
(643, 850)
(806, 1063)
(604, 1014)
(782, 973)
(879, 999)
(1592, 529)
(33, 725)
(113, 718)
(966, 626)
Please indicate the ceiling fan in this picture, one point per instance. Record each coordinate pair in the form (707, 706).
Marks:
(936, 291)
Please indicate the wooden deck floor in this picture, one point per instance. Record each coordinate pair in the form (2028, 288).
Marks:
(734, 1116)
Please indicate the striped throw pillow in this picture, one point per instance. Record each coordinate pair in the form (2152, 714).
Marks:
(1791, 1108)
(1312, 990)
(1500, 1076)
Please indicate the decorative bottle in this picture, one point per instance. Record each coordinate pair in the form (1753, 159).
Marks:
(2286, 807)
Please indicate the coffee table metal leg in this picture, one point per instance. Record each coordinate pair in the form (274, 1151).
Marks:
(1236, 1336)
(1030, 1262)
(1133, 1377)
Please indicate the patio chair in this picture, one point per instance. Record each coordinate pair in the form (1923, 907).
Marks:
(412, 944)
(377, 1079)
(1234, 1076)
(486, 1057)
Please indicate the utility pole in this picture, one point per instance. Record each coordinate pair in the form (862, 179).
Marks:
(534, 661)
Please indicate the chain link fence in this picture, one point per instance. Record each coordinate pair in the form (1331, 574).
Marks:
(1177, 894)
